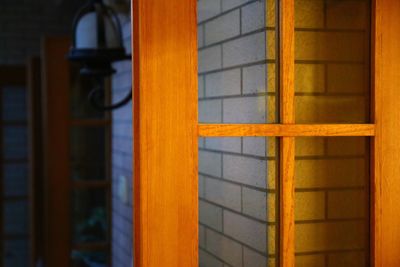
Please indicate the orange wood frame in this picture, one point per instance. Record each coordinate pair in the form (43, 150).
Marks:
(166, 131)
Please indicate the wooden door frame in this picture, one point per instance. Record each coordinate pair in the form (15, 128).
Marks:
(166, 131)
(36, 179)
(386, 145)
(55, 111)
(59, 185)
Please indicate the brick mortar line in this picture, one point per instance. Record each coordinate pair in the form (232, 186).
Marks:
(330, 189)
(216, 151)
(239, 242)
(222, 13)
(330, 30)
(215, 256)
(260, 189)
(251, 64)
(236, 37)
(330, 221)
(274, 94)
(338, 251)
(247, 216)
(222, 97)
(269, 158)
(332, 62)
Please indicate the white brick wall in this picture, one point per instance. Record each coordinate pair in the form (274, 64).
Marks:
(245, 170)
(232, 89)
(210, 111)
(253, 17)
(223, 193)
(210, 163)
(210, 58)
(227, 249)
(249, 109)
(229, 4)
(247, 231)
(210, 215)
(226, 144)
(223, 27)
(244, 50)
(223, 83)
(122, 138)
(207, 9)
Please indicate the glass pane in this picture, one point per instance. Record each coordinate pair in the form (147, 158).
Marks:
(89, 146)
(15, 180)
(15, 217)
(16, 253)
(238, 202)
(90, 215)
(332, 53)
(332, 202)
(89, 259)
(237, 62)
(15, 142)
(81, 86)
(13, 106)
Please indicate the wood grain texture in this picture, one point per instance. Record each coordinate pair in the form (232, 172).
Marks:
(287, 199)
(55, 71)
(288, 130)
(386, 164)
(287, 144)
(165, 133)
(286, 60)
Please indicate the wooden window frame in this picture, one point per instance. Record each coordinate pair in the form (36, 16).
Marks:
(58, 184)
(166, 130)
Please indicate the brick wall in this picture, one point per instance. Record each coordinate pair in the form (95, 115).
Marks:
(332, 86)
(122, 221)
(332, 201)
(237, 84)
(332, 61)
(237, 175)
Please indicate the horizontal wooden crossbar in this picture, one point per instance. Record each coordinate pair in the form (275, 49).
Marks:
(239, 130)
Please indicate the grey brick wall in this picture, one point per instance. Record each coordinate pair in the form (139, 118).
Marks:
(122, 222)
(237, 84)
(237, 202)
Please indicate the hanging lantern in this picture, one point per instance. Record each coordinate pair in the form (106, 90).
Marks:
(96, 43)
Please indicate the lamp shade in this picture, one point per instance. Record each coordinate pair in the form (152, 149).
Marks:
(97, 39)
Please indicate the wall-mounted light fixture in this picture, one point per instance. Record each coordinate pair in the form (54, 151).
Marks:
(97, 42)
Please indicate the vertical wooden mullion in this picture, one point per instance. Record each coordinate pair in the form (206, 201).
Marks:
(287, 144)
(386, 144)
(375, 229)
(35, 161)
(165, 133)
(55, 116)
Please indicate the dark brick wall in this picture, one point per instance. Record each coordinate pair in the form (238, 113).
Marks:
(122, 224)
